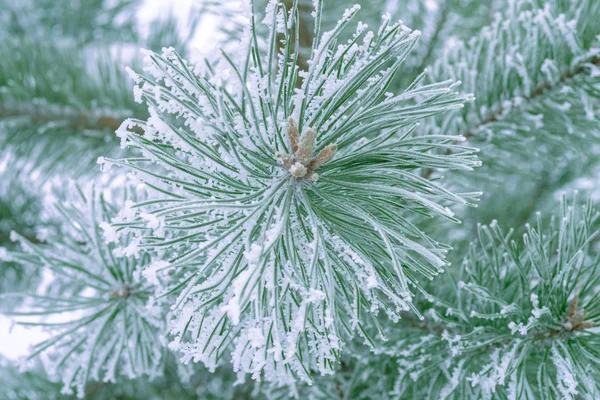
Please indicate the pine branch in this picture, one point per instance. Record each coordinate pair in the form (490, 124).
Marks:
(438, 328)
(287, 233)
(59, 105)
(277, 200)
(78, 122)
(433, 41)
(518, 100)
(306, 31)
(75, 122)
(98, 290)
(53, 20)
(541, 90)
(515, 317)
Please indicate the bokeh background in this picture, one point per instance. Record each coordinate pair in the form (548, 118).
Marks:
(114, 32)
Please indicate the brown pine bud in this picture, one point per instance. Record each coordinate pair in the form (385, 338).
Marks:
(292, 132)
(324, 155)
(585, 325)
(573, 306)
(307, 146)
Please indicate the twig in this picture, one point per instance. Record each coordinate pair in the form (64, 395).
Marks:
(538, 91)
(442, 18)
(75, 121)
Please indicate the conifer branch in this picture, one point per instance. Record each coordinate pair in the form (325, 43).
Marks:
(306, 30)
(262, 238)
(281, 215)
(510, 317)
(542, 89)
(77, 122)
(98, 286)
(539, 91)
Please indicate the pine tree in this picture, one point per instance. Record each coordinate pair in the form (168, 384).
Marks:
(335, 204)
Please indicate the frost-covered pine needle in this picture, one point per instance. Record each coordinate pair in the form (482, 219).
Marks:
(292, 198)
(95, 302)
(518, 319)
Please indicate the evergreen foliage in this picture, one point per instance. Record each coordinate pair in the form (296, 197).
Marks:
(283, 246)
(104, 327)
(302, 213)
(514, 321)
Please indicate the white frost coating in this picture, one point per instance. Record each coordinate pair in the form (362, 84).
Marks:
(4, 254)
(567, 384)
(257, 339)
(514, 328)
(454, 381)
(151, 220)
(138, 94)
(104, 164)
(532, 321)
(77, 353)
(150, 273)
(133, 75)
(454, 343)
(371, 282)
(232, 308)
(253, 255)
(157, 224)
(127, 213)
(131, 250)
(315, 296)
(350, 12)
(298, 170)
(537, 311)
(110, 233)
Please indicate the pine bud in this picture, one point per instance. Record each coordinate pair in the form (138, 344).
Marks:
(307, 146)
(292, 132)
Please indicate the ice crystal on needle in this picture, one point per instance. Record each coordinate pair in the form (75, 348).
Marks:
(275, 263)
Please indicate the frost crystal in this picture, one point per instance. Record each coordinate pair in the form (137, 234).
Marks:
(110, 233)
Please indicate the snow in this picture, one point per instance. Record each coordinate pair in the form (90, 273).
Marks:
(315, 296)
(371, 282)
(157, 224)
(4, 254)
(350, 12)
(253, 255)
(127, 213)
(514, 328)
(110, 233)
(233, 284)
(104, 164)
(567, 384)
(150, 273)
(232, 308)
(298, 170)
(257, 339)
(133, 249)
(537, 311)
(137, 94)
